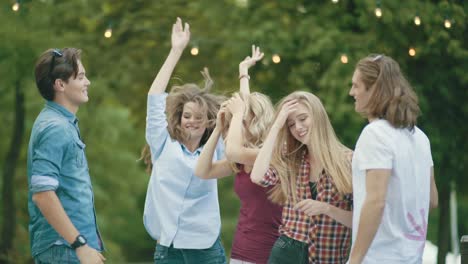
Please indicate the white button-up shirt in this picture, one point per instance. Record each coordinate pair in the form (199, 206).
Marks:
(180, 208)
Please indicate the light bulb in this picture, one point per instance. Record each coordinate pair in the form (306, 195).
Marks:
(417, 20)
(447, 23)
(15, 7)
(378, 12)
(335, 1)
(412, 52)
(194, 51)
(344, 58)
(108, 33)
(276, 58)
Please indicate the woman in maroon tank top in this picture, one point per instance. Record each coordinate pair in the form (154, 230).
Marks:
(246, 118)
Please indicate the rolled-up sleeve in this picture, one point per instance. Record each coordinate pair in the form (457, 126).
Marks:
(156, 123)
(270, 178)
(47, 159)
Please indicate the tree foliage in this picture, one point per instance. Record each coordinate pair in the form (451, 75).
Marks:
(309, 36)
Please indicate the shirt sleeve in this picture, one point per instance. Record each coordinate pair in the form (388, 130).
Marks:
(270, 178)
(47, 155)
(156, 123)
(220, 149)
(373, 150)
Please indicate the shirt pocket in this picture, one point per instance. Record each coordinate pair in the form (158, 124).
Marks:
(80, 154)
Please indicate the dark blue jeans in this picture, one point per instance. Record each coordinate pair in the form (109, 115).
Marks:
(58, 254)
(287, 250)
(170, 255)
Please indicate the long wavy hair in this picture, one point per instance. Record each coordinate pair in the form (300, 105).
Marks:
(392, 97)
(258, 117)
(180, 95)
(325, 146)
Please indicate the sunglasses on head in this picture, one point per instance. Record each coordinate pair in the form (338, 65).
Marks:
(55, 53)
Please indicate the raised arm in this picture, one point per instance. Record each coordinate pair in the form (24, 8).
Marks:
(244, 70)
(179, 39)
(262, 163)
(206, 168)
(235, 149)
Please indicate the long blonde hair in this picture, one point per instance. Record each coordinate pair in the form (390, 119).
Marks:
(262, 113)
(326, 149)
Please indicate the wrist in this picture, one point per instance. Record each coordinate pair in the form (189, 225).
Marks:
(238, 114)
(80, 241)
(177, 51)
(244, 76)
(243, 70)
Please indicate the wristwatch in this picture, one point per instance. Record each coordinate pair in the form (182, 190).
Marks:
(79, 241)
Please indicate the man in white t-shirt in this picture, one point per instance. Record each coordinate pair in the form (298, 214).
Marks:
(393, 173)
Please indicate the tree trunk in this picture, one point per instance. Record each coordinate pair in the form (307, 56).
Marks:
(443, 241)
(8, 199)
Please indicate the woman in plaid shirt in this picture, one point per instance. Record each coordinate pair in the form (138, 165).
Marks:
(311, 174)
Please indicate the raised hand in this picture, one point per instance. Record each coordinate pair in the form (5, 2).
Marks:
(236, 105)
(311, 207)
(221, 116)
(206, 76)
(285, 111)
(249, 61)
(180, 35)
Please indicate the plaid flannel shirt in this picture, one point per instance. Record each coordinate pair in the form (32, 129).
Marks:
(329, 241)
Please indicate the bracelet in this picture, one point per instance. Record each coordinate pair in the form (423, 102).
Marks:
(244, 76)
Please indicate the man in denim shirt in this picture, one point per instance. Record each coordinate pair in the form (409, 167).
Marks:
(62, 224)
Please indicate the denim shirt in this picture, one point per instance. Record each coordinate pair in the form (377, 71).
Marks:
(57, 162)
(180, 208)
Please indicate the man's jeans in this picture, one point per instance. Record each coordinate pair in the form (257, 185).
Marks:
(288, 250)
(57, 254)
(170, 255)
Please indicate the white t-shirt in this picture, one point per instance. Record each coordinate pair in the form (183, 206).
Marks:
(401, 235)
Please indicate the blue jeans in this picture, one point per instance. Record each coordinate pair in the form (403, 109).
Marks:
(57, 254)
(288, 250)
(170, 255)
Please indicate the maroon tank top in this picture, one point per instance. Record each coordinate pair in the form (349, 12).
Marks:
(259, 220)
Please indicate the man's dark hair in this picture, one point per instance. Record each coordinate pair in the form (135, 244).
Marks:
(55, 64)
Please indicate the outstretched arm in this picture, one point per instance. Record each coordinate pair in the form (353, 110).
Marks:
(262, 163)
(180, 38)
(244, 70)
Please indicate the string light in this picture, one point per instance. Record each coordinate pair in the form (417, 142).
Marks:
(378, 11)
(108, 33)
(15, 6)
(335, 1)
(447, 23)
(344, 59)
(276, 58)
(412, 52)
(417, 20)
(194, 51)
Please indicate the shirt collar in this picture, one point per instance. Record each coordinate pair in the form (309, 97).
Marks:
(63, 111)
(197, 151)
